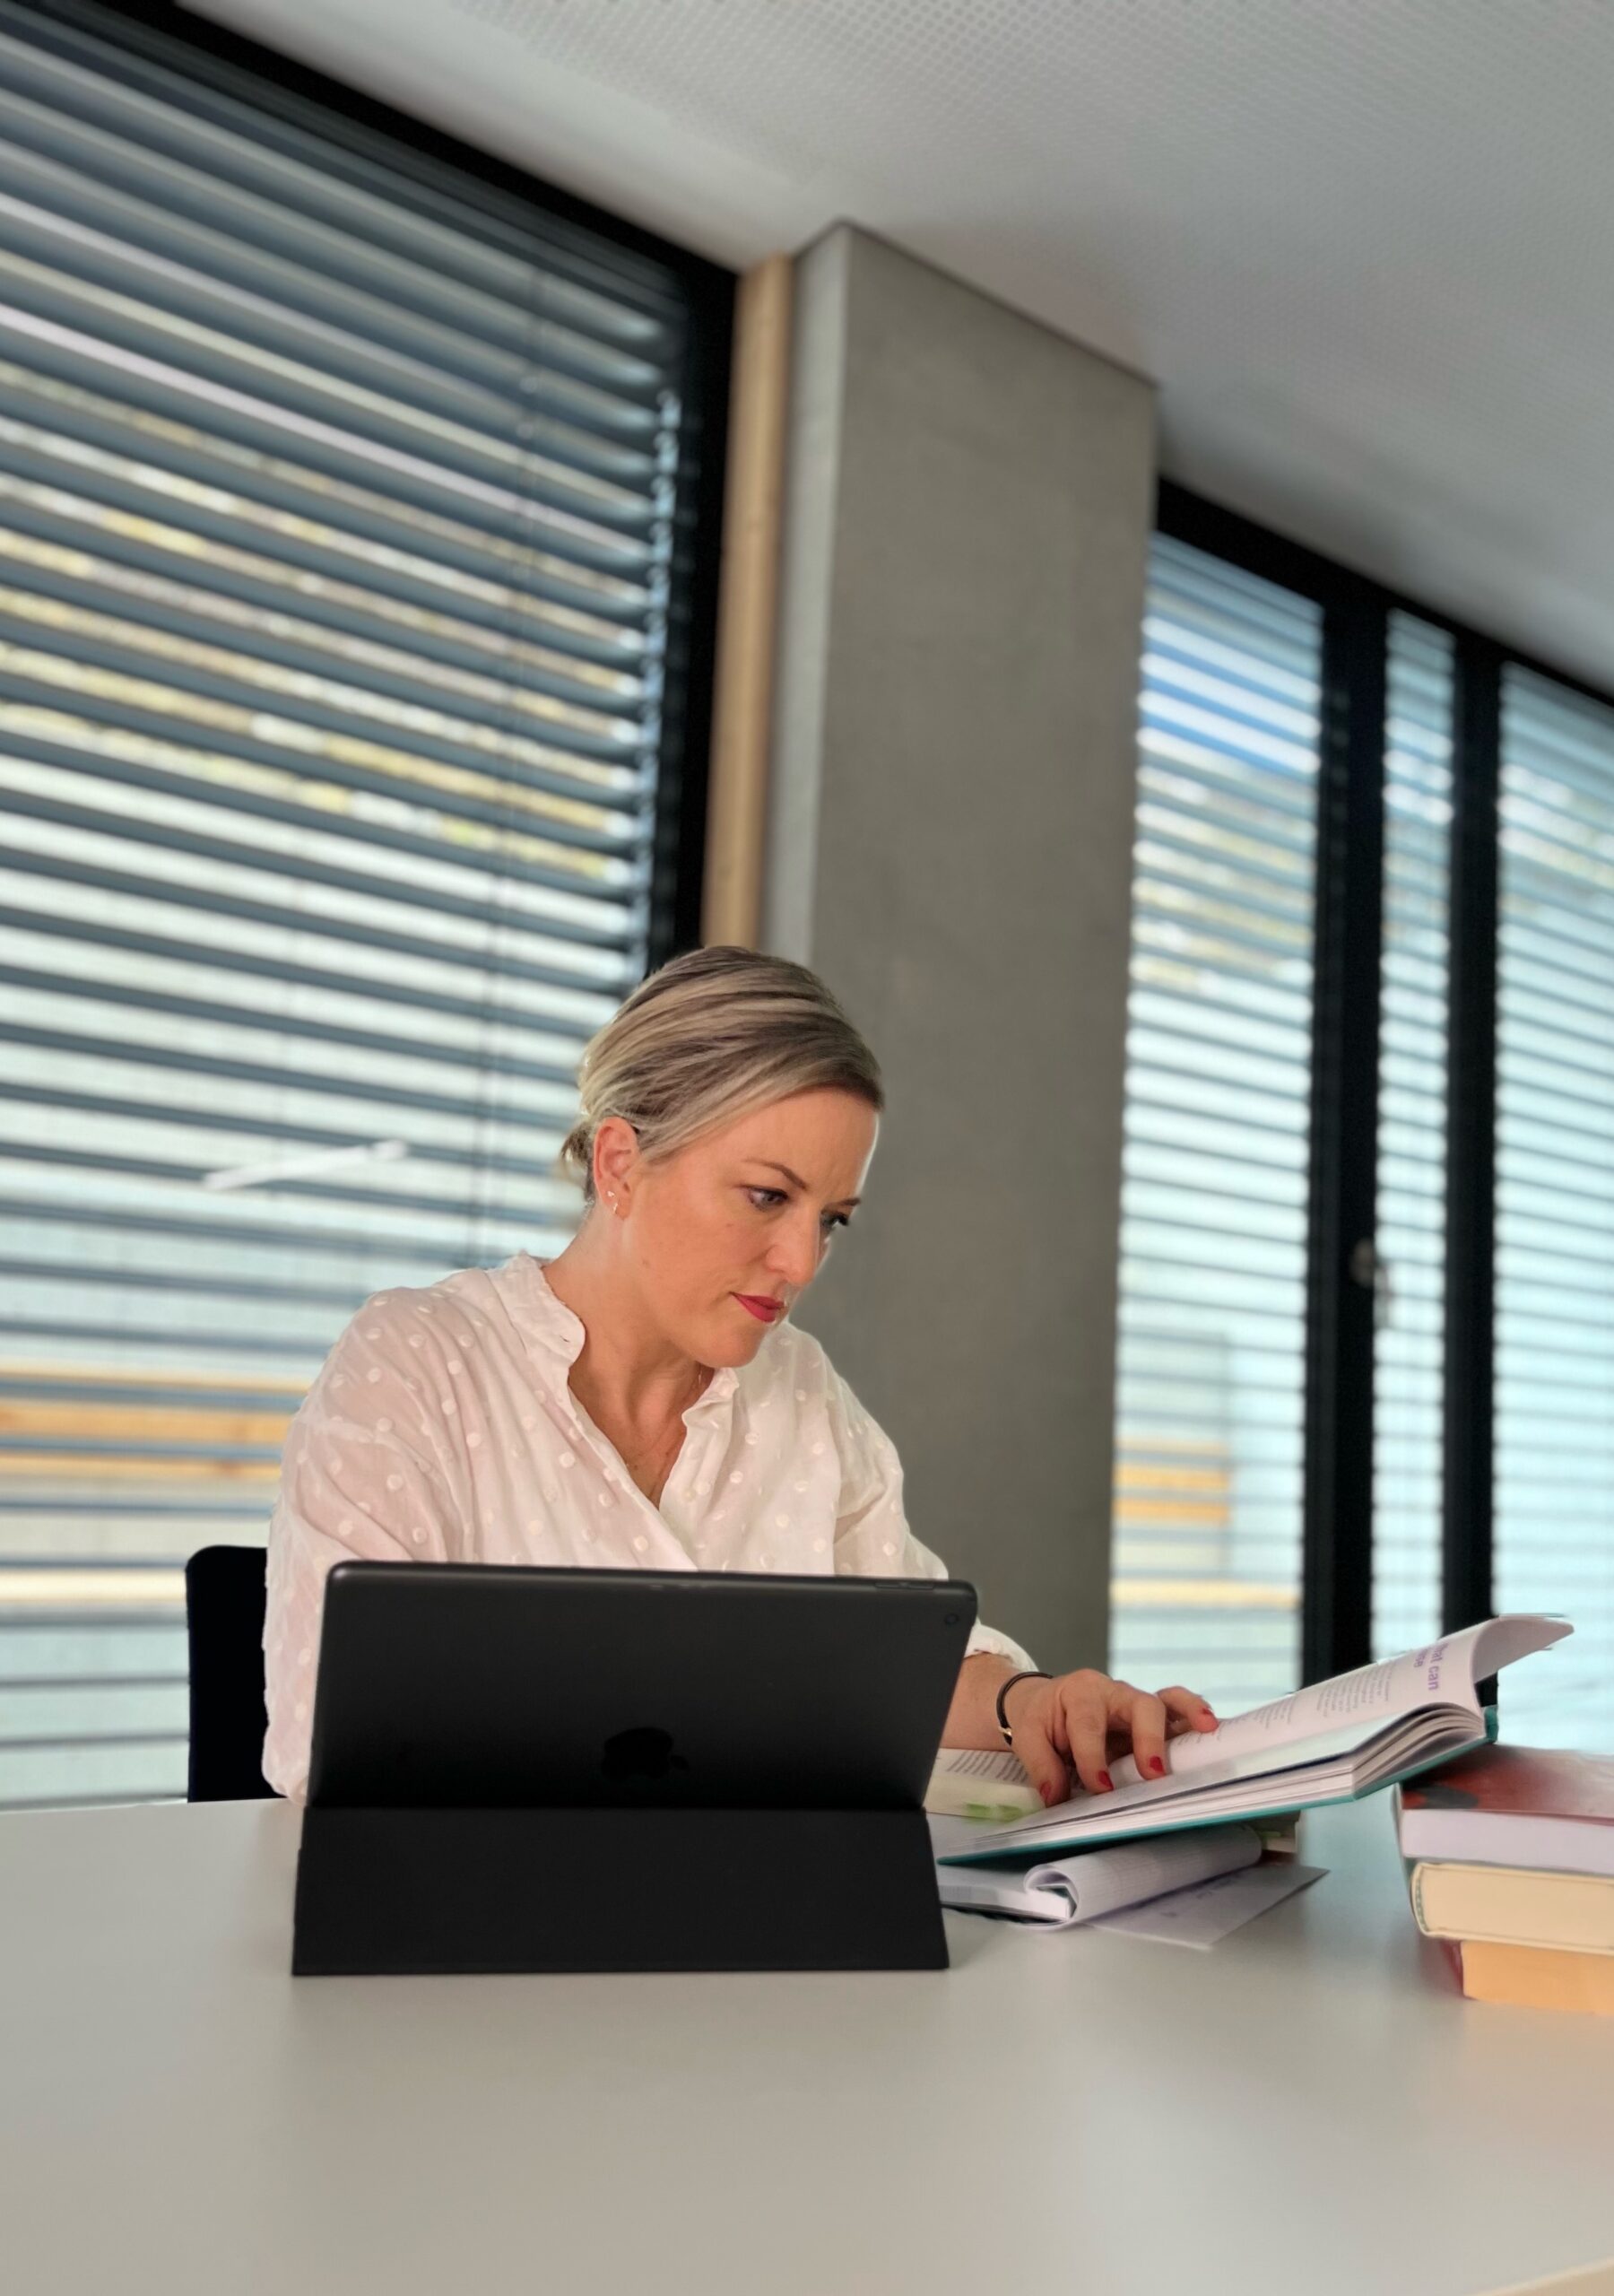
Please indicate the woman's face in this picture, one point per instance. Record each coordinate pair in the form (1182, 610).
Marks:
(746, 1213)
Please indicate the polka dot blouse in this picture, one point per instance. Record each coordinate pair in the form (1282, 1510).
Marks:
(442, 1429)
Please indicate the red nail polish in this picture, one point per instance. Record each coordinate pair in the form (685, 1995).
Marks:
(1156, 1765)
(1106, 1784)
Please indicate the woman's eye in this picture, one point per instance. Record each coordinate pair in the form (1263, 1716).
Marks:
(763, 1199)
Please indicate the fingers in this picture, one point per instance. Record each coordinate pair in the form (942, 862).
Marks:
(1078, 1718)
(1188, 1710)
(1039, 1757)
(1084, 1705)
(1146, 1715)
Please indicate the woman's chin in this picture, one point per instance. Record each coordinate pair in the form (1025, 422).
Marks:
(734, 1338)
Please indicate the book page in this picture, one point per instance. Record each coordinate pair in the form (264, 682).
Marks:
(980, 1782)
(1209, 1912)
(1349, 1708)
(1003, 1769)
(1102, 1881)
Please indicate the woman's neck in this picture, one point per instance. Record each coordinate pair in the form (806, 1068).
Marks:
(627, 1370)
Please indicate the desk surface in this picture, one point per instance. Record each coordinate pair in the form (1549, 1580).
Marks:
(1308, 2105)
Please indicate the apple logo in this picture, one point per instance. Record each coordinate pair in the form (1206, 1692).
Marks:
(641, 1753)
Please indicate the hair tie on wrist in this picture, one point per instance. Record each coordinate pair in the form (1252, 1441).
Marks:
(1026, 1674)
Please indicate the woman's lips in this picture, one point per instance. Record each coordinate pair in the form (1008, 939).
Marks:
(765, 1311)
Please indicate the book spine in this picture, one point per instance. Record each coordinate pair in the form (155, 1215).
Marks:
(1415, 1874)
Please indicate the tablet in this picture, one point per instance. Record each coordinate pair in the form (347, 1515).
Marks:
(481, 1685)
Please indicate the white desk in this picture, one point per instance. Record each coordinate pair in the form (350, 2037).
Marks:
(1308, 2108)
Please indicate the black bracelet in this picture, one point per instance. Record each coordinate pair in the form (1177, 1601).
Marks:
(1026, 1674)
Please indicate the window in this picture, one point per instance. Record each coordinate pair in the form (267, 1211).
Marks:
(1369, 1184)
(1409, 1334)
(1555, 1200)
(355, 536)
(1211, 1417)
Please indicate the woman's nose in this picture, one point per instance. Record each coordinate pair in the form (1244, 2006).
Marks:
(796, 1253)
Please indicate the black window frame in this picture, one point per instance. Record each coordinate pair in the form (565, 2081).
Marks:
(283, 83)
(1337, 1529)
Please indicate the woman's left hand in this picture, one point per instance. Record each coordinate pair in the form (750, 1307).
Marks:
(1086, 1720)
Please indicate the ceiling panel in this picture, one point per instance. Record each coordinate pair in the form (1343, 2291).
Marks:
(1364, 250)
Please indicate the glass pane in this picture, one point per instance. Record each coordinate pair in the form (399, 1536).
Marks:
(1211, 1374)
(1409, 1345)
(1554, 1204)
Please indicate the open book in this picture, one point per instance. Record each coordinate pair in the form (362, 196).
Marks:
(1331, 1743)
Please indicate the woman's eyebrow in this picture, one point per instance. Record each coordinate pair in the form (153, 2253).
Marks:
(796, 1178)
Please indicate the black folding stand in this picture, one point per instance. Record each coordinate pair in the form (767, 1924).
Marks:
(440, 1892)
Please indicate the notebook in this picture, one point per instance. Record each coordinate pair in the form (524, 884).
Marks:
(1332, 1742)
(1065, 1890)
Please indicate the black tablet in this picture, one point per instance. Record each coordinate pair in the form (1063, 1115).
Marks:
(444, 1685)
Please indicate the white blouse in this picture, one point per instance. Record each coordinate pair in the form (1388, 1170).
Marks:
(442, 1429)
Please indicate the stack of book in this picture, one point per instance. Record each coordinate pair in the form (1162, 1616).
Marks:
(1510, 1859)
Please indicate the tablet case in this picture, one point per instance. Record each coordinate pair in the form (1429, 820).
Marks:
(470, 1824)
(434, 1891)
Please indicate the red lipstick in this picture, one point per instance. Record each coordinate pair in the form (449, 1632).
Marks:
(765, 1311)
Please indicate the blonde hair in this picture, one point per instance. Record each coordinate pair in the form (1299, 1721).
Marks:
(707, 1039)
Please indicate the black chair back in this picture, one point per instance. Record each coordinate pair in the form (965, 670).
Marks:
(224, 1599)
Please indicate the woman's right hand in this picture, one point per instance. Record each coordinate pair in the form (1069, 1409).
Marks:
(1086, 1720)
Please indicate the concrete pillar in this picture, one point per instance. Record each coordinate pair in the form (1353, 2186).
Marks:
(970, 500)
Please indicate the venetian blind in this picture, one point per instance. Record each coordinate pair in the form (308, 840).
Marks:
(1210, 1426)
(343, 501)
(1554, 1509)
(1409, 1343)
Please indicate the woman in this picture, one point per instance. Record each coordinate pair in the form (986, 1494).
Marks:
(643, 1400)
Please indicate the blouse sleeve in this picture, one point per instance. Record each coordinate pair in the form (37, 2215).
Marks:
(362, 1480)
(871, 1535)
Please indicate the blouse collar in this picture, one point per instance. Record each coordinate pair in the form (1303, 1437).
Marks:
(547, 1324)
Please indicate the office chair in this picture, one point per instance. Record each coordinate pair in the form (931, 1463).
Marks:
(224, 1598)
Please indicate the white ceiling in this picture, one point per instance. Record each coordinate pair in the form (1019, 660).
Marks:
(1366, 247)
